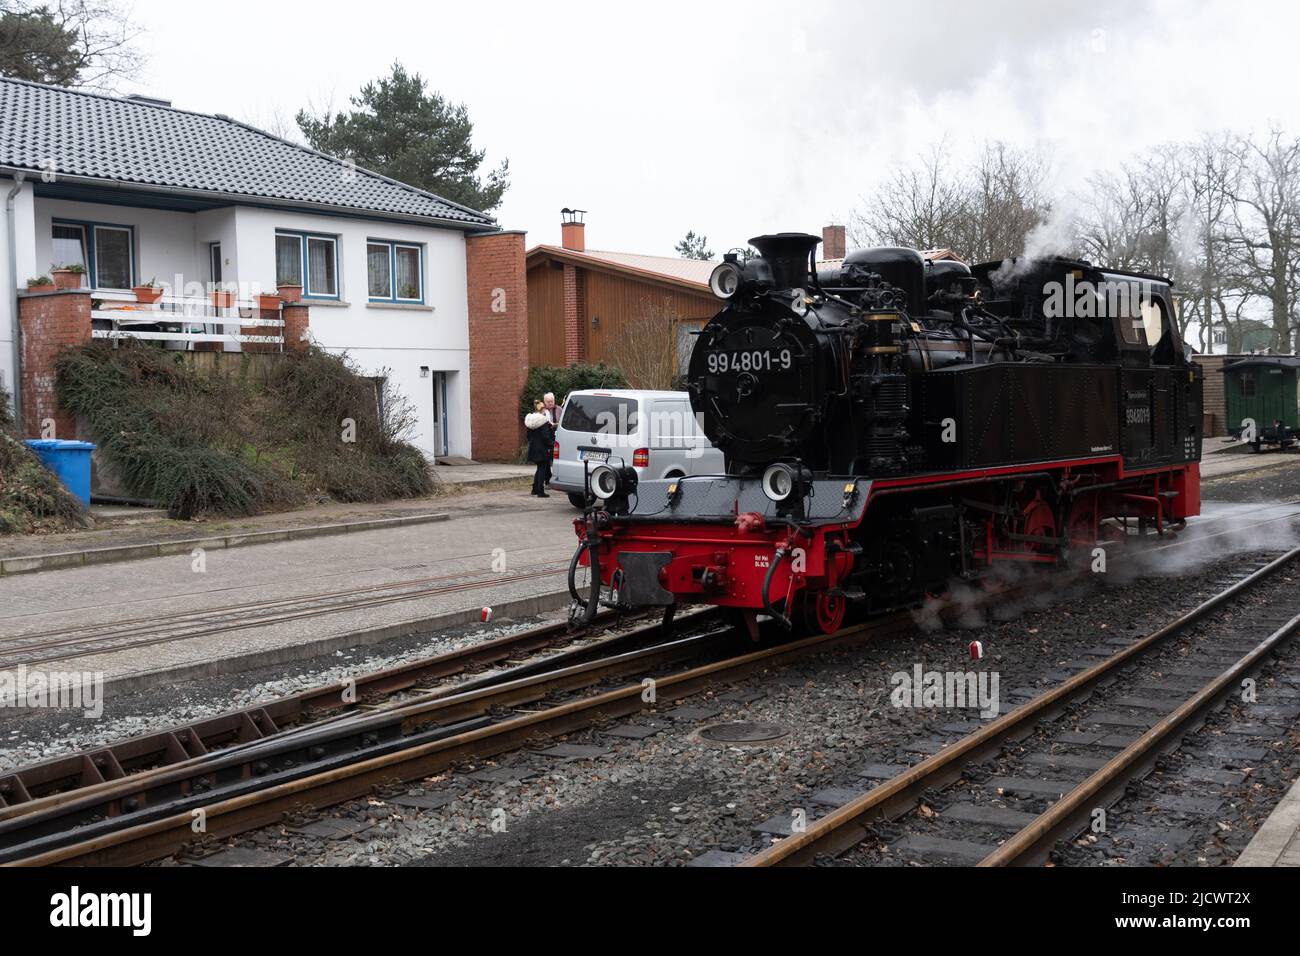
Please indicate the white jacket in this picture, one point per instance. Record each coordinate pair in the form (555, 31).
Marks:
(535, 419)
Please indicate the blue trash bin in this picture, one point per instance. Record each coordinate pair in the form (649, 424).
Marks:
(70, 462)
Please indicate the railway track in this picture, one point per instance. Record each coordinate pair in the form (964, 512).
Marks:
(250, 768)
(62, 778)
(1120, 738)
(146, 816)
(51, 646)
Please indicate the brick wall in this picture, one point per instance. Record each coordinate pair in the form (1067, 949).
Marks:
(497, 286)
(575, 299)
(833, 242)
(296, 323)
(49, 322)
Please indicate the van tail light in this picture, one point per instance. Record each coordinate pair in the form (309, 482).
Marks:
(641, 458)
(555, 452)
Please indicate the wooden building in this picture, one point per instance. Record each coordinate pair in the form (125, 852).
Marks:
(584, 305)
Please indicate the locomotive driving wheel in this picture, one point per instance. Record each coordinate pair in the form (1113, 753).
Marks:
(823, 612)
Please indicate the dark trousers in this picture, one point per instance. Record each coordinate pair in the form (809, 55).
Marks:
(541, 477)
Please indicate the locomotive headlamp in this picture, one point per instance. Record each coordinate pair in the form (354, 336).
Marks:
(783, 481)
(725, 280)
(604, 482)
(612, 485)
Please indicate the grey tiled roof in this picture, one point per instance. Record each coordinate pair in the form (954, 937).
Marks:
(88, 134)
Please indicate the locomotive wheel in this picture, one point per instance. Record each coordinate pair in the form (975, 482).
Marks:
(823, 613)
(1039, 522)
(1081, 529)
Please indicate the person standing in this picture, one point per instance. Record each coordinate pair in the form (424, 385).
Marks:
(552, 410)
(541, 440)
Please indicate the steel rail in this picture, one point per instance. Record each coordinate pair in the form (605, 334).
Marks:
(845, 826)
(291, 756)
(1032, 843)
(227, 817)
(60, 778)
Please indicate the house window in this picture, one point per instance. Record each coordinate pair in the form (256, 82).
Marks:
(70, 246)
(299, 255)
(288, 260)
(395, 271)
(106, 253)
(113, 258)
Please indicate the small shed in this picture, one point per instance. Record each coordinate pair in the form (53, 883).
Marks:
(1261, 388)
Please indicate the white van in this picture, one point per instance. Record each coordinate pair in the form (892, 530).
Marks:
(654, 432)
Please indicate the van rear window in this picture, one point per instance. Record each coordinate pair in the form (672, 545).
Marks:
(601, 414)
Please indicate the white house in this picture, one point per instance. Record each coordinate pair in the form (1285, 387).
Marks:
(132, 189)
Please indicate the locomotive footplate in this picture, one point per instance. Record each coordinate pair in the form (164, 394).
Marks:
(641, 578)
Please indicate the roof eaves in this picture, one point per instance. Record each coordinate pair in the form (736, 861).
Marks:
(579, 258)
(483, 218)
(254, 199)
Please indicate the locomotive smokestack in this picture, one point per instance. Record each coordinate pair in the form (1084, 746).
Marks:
(833, 244)
(573, 229)
(788, 254)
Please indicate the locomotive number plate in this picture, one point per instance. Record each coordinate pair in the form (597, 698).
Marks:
(750, 360)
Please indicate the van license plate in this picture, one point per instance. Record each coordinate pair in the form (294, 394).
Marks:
(595, 455)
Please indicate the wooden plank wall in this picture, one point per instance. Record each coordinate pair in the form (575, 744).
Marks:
(545, 315)
(255, 365)
(614, 302)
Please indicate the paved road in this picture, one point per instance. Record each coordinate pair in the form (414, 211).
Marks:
(507, 546)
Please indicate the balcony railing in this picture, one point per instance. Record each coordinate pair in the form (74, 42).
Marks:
(182, 321)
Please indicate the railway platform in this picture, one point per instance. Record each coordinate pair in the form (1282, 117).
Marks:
(1277, 842)
(202, 612)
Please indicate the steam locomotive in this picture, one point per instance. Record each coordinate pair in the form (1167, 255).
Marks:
(893, 422)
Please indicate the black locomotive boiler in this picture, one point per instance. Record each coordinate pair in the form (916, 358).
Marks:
(894, 422)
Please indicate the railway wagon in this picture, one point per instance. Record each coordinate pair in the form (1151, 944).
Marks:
(1260, 399)
(893, 424)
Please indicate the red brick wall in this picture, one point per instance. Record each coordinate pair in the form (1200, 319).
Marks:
(575, 299)
(497, 287)
(296, 323)
(49, 322)
(832, 242)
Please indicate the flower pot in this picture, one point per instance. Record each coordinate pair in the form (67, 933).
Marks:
(66, 279)
(291, 293)
(147, 294)
(268, 303)
(40, 287)
(223, 300)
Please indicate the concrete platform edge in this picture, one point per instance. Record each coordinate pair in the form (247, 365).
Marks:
(1278, 832)
(133, 552)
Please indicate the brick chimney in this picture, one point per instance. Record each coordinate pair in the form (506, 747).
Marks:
(572, 229)
(832, 242)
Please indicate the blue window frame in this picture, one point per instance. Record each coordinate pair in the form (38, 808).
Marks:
(310, 260)
(395, 271)
(105, 250)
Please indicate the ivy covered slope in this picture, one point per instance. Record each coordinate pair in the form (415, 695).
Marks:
(230, 442)
(31, 498)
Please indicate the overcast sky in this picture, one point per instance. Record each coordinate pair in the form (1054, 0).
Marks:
(735, 119)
